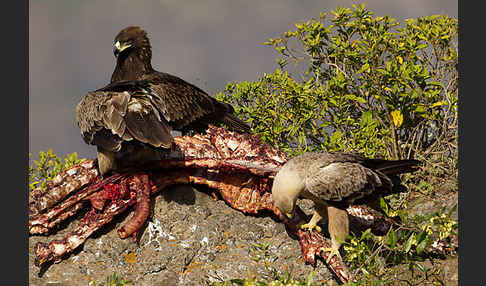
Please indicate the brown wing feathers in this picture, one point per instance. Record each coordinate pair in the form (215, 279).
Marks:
(345, 177)
(345, 182)
(181, 103)
(145, 123)
(107, 118)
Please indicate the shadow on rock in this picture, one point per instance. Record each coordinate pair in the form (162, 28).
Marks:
(181, 194)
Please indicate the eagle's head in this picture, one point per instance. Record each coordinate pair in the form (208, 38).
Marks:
(287, 185)
(132, 40)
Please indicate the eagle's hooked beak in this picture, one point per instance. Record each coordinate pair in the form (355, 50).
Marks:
(118, 48)
(290, 215)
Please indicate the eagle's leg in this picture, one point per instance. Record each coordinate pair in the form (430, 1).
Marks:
(338, 230)
(320, 212)
(106, 161)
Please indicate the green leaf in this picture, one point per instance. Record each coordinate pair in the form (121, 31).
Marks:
(392, 238)
(421, 236)
(439, 103)
(420, 267)
(364, 68)
(366, 117)
(408, 244)
(366, 233)
(420, 109)
(384, 205)
(355, 98)
(421, 246)
(308, 280)
(237, 281)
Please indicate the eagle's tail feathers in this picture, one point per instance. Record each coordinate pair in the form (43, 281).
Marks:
(393, 167)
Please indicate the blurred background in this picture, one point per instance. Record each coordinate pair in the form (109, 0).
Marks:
(207, 43)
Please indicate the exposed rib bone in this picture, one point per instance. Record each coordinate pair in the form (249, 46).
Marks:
(91, 222)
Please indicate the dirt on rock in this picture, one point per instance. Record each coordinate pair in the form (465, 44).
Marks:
(191, 239)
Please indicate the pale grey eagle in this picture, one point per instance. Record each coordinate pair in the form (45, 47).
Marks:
(333, 180)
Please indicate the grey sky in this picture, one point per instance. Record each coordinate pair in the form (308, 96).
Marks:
(207, 43)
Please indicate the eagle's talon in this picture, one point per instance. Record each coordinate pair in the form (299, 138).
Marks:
(311, 226)
(333, 252)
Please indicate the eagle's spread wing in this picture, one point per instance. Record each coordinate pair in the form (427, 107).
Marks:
(344, 182)
(121, 112)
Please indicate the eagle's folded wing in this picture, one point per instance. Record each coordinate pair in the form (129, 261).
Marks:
(344, 182)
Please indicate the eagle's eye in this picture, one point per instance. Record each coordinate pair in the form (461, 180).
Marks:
(119, 46)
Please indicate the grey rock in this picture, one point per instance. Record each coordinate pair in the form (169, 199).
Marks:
(190, 240)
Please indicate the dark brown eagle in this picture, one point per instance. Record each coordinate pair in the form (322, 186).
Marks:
(140, 107)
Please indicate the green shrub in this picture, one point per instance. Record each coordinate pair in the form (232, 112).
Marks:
(406, 244)
(48, 166)
(361, 83)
